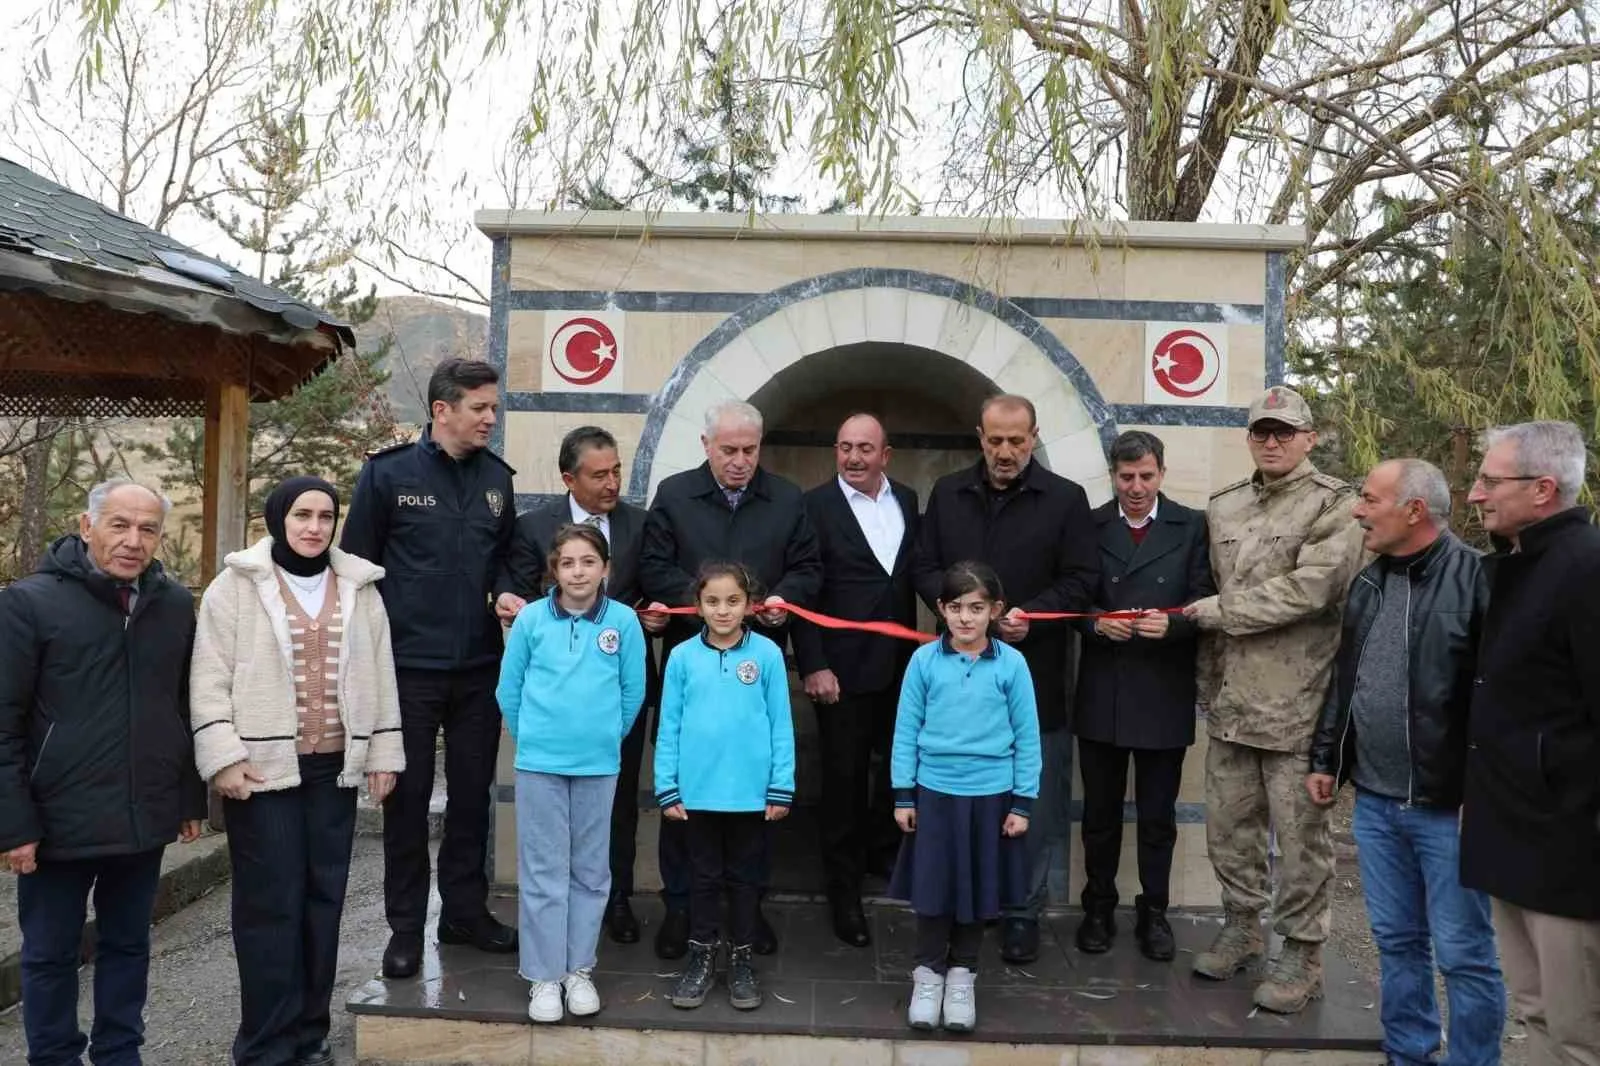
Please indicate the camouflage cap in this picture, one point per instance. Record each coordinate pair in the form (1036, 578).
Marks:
(1281, 404)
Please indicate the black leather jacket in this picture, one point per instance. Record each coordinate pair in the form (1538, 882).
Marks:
(1448, 596)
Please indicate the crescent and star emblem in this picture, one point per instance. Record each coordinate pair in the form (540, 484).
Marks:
(1186, 363)
(583, 351)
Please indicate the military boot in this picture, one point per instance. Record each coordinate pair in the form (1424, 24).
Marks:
(1236, 947)
(1295, 979)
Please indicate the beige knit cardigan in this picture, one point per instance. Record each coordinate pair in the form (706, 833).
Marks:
(241, 683)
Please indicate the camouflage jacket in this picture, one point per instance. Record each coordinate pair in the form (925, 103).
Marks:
(1284, 555)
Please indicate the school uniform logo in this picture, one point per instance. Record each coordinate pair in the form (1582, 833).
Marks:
(609, 641)
(748, 671)
(497, 502)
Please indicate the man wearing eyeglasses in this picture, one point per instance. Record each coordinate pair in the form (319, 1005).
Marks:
(1530, 829)
(1284, 549)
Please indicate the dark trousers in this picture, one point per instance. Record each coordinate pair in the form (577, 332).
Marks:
(1157, 774)
(857, 810)
(290, 853)
(943, 942)
(727, 852)
(52, 903)
(462, 702)
(625, 810)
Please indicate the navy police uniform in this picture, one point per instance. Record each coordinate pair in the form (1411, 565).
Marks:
(441, 529)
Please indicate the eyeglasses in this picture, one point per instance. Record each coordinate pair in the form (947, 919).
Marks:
(1283, 434)
(1489, 481)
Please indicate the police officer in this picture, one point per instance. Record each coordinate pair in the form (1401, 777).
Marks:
(437, 515)
(1284, 549)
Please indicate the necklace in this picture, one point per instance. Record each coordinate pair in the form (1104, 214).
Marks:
(306, 584)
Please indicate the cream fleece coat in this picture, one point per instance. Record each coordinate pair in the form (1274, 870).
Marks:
(241, 684)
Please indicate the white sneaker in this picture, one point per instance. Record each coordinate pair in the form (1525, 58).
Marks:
(582, 999)
(544, 1001)
(927, 990)
(960, 1000)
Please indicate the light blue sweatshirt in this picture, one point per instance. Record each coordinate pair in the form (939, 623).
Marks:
(966, 726)
(726, 741)
(571, 686)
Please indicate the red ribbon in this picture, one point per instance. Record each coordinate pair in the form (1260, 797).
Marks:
(900, 632)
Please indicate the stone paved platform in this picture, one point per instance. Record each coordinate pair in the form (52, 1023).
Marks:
(845, 998)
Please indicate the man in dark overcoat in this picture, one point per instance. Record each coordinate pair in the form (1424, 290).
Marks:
(1136, 689)
(1033, 527)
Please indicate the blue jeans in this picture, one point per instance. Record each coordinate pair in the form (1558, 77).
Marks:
(52, 903)
(563, 870)
(1410, 873)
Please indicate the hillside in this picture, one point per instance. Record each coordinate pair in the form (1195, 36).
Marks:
(426, 332)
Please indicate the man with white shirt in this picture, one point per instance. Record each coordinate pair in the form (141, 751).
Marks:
(866, 526)
(592, 472)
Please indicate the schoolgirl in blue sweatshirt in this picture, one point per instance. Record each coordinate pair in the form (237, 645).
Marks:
(724, 764)
(965, 769)
(571, 684)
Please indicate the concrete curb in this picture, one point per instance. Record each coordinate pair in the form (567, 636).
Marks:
(188, 872)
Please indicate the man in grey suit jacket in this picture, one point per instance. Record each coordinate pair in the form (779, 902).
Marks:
(592, 473)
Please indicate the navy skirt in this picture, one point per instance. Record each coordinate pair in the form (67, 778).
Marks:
(957, 862)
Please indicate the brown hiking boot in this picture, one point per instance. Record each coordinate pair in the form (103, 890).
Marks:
(1237, 946)
(1295, 979)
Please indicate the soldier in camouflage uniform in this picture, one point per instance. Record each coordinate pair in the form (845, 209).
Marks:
(1284, 549)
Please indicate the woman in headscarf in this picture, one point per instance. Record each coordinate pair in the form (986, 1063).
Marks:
(293, 705)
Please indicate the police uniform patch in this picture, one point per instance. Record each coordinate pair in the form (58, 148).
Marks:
(748, 671)
(497, 502)
(609, 641)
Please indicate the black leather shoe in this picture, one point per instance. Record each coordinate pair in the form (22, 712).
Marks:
(403, 957)
(622, 926)
(1156, 941)
(1020, 941)
(672, 939)
(485, 934)
(1095, 931)
(321, 1056)
(765, 942)
(850, 922)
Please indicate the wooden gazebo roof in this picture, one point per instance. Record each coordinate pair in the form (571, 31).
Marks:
(101, 316)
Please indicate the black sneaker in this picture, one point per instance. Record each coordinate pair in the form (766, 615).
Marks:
(744, 990)
(699, 974)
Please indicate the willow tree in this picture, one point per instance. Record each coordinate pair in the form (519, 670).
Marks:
(1373, 123)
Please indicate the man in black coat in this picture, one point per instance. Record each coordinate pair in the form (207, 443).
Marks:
(1034, 528)
(866, 526)
(437, 515)
(1136, 689)
(592, 472)
(730, 509)
(97, 769)
(1530, 831)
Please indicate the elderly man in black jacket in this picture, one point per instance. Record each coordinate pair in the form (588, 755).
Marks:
(1136, 690)
(1530, 831)
(1035, 529)
(1395, 722)
(97, 770)
(727, 508)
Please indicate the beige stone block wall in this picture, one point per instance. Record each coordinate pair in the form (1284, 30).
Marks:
(1194, 274)
(533, 438)
(593, 263)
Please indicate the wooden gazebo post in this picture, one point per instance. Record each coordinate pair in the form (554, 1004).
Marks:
(227, 463)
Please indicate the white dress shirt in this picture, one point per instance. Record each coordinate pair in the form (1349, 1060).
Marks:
(1151, 517)
(580, 516)
(881, 520)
